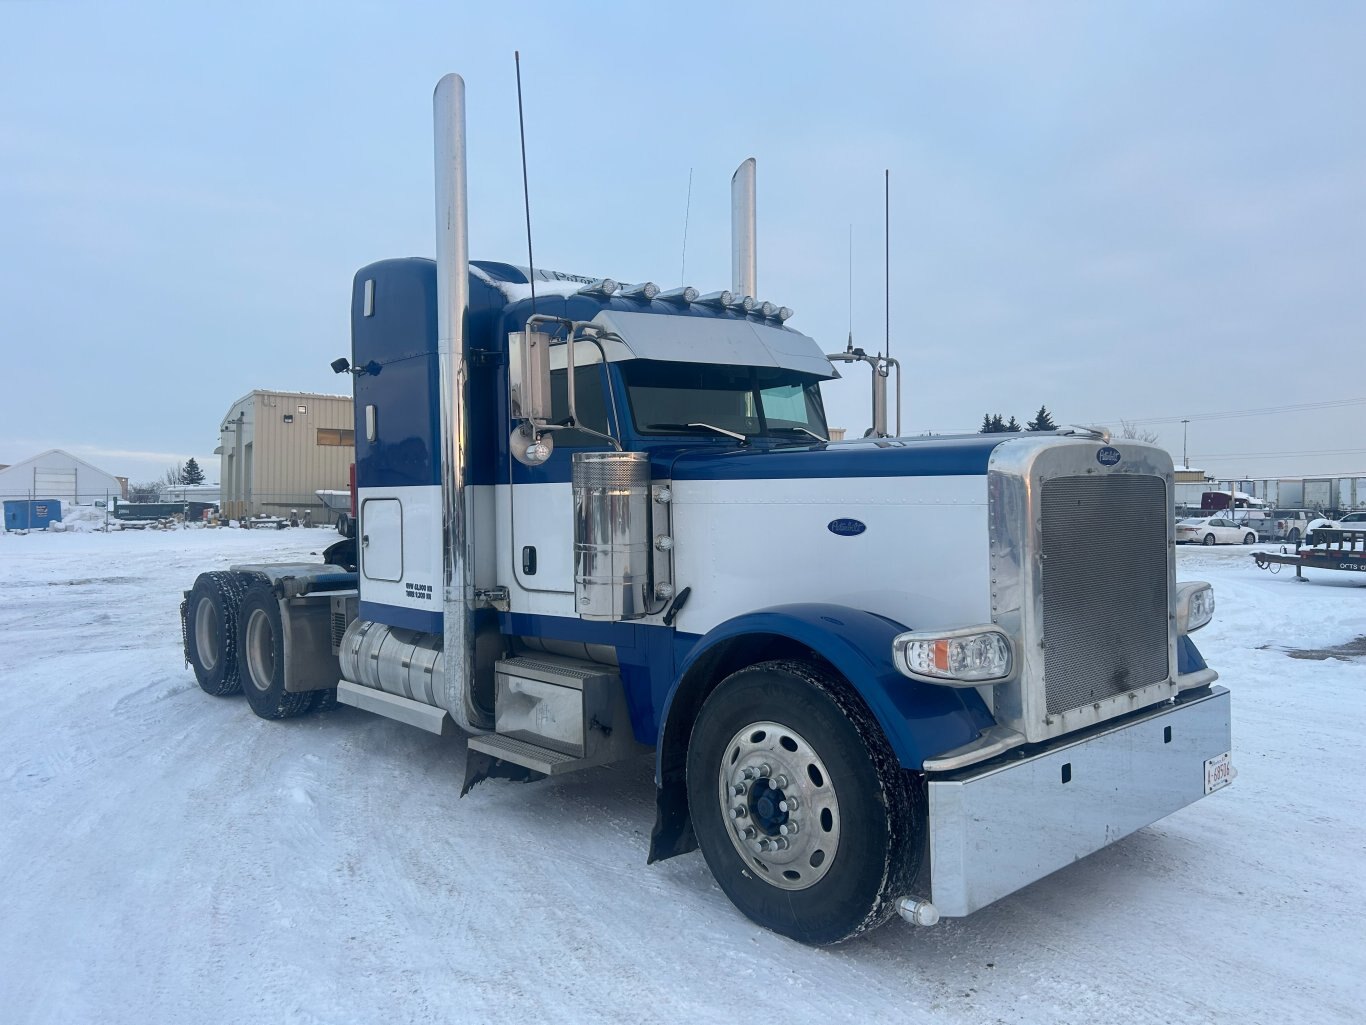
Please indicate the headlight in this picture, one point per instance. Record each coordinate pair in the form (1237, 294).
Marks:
(1194, 606)
(958, 658)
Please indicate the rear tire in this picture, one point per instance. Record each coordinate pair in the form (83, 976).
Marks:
(857, 812)
(261, 657)
(210, 624)
(1294, 535)
(1209, 539)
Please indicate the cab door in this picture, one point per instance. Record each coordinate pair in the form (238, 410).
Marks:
(542, 498)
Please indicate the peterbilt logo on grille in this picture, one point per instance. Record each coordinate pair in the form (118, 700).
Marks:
(846, 527)
(1108, 456)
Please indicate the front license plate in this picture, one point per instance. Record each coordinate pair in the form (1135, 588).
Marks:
(1218, 772)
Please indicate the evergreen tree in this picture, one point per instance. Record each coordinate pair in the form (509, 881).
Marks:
(1042, 421)
(1013, 426)
(192, 474)
(986, 424)
(997, 424)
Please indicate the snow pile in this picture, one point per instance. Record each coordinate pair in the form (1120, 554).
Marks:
(80, 518)
(171, 858)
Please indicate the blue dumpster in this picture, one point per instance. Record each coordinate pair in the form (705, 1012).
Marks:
(32, 514)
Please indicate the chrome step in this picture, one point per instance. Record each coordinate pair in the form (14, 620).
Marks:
(395, 706)
(531, 756)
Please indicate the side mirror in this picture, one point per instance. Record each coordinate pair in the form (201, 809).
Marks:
(529, 376)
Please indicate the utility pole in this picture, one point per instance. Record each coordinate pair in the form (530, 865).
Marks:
(1185, 459)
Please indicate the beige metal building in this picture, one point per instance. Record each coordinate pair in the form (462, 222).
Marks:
(279, 448)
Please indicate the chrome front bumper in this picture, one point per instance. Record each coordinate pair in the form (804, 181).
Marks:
(995, 829)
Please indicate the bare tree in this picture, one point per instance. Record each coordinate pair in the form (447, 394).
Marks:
(174, 475)
(1131, 432)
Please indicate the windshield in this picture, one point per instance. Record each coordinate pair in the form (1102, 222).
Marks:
(699, 398)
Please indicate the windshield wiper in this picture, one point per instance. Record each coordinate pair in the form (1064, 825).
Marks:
(711, 427)
(794, 427)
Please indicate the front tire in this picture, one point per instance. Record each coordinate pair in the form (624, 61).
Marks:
(825, 831)
(1249, 539)
(1209, 539)
(261, 656)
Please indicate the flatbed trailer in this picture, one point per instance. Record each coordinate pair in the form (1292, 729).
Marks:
(1336, 549)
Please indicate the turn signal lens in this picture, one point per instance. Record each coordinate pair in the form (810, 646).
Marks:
(968, 657)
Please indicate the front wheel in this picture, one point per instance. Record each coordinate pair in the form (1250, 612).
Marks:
(1294, 535)
(1249, 539)
(801, 810)
(1209, 539)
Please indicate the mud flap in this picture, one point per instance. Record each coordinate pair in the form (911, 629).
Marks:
(480, 766)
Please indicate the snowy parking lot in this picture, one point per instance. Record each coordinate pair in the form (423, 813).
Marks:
(168, 857)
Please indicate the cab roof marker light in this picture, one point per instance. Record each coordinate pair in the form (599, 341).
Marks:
(719, 300)
(603, 287)
(764, 309)
(741, 302)
(785, 312)
(648, 290)
(679, 296)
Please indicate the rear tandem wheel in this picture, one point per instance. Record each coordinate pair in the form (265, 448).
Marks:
(261, 657)
(210, 624)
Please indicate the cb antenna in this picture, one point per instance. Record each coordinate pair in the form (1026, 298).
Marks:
(887, 258)
(526, 192)
(687, 209)
(849, 346)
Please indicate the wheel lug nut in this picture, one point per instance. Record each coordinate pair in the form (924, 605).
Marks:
(749, 833)
(780, 782)
(790, 804)
(765, 771)
(738, 813)
(765, 844)
(788, 828)
(779, 843)
(739, 789)
(749, 774)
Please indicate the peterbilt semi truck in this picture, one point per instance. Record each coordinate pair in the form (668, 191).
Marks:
(889, 675)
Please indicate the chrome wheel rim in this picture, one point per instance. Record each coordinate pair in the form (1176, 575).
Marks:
(779, 805)
(206, 634)
(260, 650)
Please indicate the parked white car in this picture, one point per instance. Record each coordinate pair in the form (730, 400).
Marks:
(1214, 530)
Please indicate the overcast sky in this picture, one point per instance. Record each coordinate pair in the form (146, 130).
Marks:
(1150, 211)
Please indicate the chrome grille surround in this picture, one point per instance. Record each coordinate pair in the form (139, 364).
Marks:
(1100, 639)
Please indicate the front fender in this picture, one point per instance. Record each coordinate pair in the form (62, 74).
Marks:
(920, 720)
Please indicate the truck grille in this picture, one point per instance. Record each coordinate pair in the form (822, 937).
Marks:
(1104, 587)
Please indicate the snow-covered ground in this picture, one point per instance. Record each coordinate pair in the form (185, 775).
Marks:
(168, 857)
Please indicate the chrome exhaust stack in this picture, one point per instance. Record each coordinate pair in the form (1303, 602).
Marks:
(455, 691)
(744, 273)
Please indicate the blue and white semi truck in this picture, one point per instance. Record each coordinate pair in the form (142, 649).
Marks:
(880, 676)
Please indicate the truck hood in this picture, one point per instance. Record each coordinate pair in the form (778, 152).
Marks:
(886, 457)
